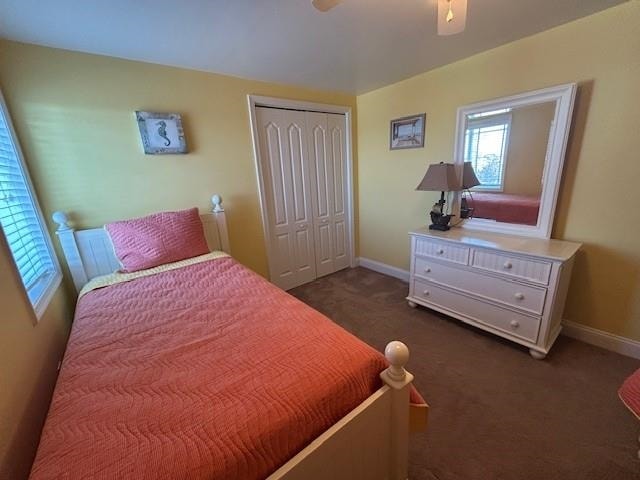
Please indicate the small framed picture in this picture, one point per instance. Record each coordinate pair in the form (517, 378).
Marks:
(161, 133)
(407, 132)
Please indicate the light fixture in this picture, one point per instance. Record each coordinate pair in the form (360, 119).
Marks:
(440, 177)
(469, 180)
(449, 17)
(452, 16)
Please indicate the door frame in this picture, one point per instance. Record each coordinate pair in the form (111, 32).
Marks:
(285, 103)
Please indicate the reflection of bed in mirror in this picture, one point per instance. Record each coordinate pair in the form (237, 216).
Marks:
(505, 207)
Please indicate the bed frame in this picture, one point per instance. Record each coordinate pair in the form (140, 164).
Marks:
(371, 442)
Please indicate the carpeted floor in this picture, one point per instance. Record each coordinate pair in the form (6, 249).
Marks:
(496, 413)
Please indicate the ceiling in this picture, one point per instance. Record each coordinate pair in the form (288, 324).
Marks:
(358, 46)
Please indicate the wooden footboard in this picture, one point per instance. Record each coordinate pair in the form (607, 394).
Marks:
(371, 442)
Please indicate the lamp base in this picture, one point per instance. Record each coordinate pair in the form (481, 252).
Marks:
(442, 228)
(466, 212)
(439, 221)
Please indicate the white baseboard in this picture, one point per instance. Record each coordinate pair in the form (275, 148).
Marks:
(599, 338)
(383, 268)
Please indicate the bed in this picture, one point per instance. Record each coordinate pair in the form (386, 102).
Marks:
(202, 369)
(507, 208)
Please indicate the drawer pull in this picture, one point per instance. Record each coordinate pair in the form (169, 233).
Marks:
(514, 324)
(426, 293)
(507, 265)
(519, 296)
(440, 251)
(427, 270)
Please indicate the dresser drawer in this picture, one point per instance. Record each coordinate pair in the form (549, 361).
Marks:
(532, 270)
(514, 294)
(510, 322)
(443, 250)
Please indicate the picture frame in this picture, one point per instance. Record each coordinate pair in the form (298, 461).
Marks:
(407, 132)
(161, 133)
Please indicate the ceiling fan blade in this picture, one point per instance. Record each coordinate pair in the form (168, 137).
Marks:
(325, 5)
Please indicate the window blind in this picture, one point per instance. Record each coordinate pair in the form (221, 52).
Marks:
(19, 217)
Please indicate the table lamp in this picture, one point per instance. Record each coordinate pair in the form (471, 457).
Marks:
(469, 180)
(440, 177)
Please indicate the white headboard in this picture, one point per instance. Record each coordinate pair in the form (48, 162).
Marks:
(89, 253)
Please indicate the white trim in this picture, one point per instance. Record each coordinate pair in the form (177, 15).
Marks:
(384, 268)
(257, 100)
(564, 96)
(50, 288)
(600, 338)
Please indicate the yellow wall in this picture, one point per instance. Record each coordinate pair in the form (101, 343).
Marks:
(74, 116)
(599, 199)
(29, 355)
(527, 149)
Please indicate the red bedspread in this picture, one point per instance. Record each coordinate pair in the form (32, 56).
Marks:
(207, 371)
(629, 393)
(503, 207)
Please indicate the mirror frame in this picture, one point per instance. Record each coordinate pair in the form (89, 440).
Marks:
(564, 97)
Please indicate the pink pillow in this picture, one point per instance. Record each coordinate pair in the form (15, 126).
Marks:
(157, 239)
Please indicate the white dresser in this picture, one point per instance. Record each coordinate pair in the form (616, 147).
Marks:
(508, 285)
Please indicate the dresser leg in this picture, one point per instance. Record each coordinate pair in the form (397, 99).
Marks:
(536, 354)
(412, 304)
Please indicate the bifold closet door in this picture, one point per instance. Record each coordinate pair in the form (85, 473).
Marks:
(285, 170)
(327, 157)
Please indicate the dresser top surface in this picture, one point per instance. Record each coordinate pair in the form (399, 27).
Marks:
(541, 247)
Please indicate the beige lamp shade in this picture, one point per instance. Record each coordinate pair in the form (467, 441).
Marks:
(440, 177)
(469, 178)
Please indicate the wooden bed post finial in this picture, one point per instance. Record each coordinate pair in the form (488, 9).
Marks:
(220, 220)
(397, 354)
(67, 236)
(62, 220)
(396, 377)
(216, 200)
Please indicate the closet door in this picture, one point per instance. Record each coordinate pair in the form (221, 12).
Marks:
(329, 190)
(336, 126)
(285, 171)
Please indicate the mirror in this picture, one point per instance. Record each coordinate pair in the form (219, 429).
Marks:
(509, 154)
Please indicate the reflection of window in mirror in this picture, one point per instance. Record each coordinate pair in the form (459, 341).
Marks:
(486, 140)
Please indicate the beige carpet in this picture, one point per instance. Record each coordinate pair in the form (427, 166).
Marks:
(496, 413)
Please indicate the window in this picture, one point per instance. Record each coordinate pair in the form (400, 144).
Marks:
(486, 140)
(22, 222)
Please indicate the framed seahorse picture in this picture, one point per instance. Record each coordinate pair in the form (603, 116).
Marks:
(161, 133)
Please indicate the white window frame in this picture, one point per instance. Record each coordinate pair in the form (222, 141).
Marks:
(489, 121)
(42, 292)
